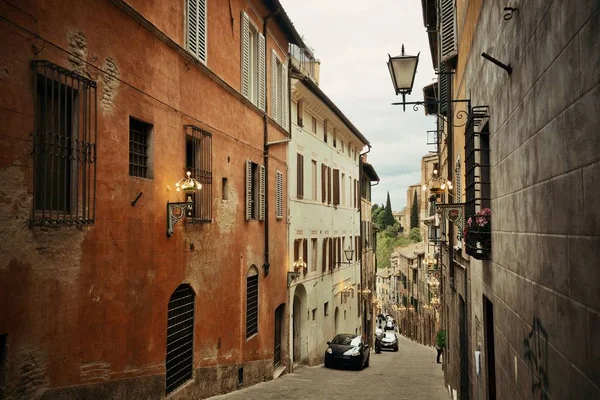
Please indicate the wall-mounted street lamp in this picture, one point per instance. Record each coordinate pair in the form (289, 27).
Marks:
(348, 254)
(403, 69)
(178, 210)
(437, 184)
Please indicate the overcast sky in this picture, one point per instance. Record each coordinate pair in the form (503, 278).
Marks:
(352, 39)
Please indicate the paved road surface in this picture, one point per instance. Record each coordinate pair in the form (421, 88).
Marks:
(411, 374)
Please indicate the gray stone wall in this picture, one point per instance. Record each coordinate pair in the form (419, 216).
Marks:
(544, 124)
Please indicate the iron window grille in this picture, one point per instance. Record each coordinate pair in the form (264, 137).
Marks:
(139, 144)
(198, 160)
(64, 147)
(252, 302)
(180, 337)
(477, 188)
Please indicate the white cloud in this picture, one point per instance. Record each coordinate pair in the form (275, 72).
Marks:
(352, 40)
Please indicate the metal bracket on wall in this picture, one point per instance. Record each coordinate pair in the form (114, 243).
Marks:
(291, 276)
(176, 211)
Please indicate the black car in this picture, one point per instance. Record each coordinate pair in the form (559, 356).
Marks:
(389, 340)
(347, 350)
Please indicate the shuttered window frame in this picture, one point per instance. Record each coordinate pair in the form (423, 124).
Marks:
(279, 91)
(196, 29)
(300, 176)
(279, 195)
(255, 191)
(448, 35)
(253, 91)
(252, 302)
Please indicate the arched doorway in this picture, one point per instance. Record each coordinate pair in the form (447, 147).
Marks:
(336, 320)
(298, 335)
(180, 337)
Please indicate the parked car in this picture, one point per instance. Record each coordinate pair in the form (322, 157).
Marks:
(389, 341)
(347, 350)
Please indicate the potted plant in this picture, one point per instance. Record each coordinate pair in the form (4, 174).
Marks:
(479, 227)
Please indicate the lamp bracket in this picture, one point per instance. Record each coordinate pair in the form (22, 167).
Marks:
(505, 67)
(291, 276)
(176, 211)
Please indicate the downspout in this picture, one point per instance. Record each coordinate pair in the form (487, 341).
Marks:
(266, 264)
(360, 175)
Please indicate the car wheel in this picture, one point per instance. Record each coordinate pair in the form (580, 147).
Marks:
(368, 360)
(395, 349)
(327, 364)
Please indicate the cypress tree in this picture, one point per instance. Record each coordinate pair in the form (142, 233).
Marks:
(414, 213)
(388, 217)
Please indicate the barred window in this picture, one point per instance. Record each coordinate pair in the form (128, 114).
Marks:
(64, 147)
(139, 143)
(198, 161)
(180, 337)
(252, 302)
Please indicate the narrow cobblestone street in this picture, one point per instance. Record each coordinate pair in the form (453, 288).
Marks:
(411, 373)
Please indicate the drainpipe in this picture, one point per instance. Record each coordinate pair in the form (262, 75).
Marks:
(266, 264)
(360, 174)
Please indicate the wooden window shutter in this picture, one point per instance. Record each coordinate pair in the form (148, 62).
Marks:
(248, 190)
(449, 41)
(274, 104)
(305, 253)
(331, 252)
(196, 28)
(284, 91)
(339, 249)
(328, 185)
(336, 187)
(323, 181)
(444, 88)
(262, 84)
(324, 260)
(279, 201)
(261, 194)
(245, 55)
(300, 177)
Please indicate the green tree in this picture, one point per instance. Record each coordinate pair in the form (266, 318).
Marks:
(385, 247)
(414, 213)
(415, 235)
(388, 217)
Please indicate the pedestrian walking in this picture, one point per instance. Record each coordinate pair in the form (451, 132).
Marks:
(440, 344)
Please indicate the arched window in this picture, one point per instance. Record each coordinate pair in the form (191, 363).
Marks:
(180, 337)
(252, 301)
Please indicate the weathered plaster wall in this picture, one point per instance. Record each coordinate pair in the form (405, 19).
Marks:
(88, 305)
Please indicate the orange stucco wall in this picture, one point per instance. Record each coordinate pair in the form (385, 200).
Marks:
(89, 304)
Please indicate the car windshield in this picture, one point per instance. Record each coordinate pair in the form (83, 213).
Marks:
(346, 340)
(390, 335)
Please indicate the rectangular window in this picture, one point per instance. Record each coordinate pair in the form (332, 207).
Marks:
(329, 185)
(314, 125)
(325, 130)
(336, 187)
(300, 121)
(139, 143)
(314, 180)
(334, 141)
(196, 28)
(224, 189)
(477, 188)
(252, 304)
(64, 147)
(313, 254)
(253, 84)
(255, 191)
(279, 195)
(300, 176)
(326, 308)
(314, 314)
(198, 161)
